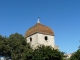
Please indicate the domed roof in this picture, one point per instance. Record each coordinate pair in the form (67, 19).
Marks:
(39, 28)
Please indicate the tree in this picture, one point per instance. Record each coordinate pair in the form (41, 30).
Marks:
(45, 53)
(3, 46)
(76, 55)
(18, 46)
(14, 46)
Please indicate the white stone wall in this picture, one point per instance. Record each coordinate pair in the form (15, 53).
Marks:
(50, 41)
(34, 39)
(38, 39)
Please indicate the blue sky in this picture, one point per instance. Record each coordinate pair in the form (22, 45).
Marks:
(63, 16)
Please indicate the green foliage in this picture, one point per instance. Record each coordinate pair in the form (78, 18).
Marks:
(15, 46)
(45, 53)
(76, 55)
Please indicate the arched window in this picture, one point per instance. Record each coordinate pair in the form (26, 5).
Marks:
(46, 38)
(30, 39)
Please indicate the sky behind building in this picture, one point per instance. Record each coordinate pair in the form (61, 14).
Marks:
(63, 16)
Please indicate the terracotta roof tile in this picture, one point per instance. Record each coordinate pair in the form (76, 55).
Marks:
(40, 29)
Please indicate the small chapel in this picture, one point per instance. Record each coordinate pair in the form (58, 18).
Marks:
(40, 34)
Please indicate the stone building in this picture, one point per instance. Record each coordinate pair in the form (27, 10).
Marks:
(40, 34)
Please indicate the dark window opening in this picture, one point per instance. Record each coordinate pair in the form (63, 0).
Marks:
(30, 39)
(46, 38)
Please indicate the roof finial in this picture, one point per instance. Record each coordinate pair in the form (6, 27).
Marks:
(38, 20)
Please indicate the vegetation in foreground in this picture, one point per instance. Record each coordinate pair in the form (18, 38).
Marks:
(16, 48)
